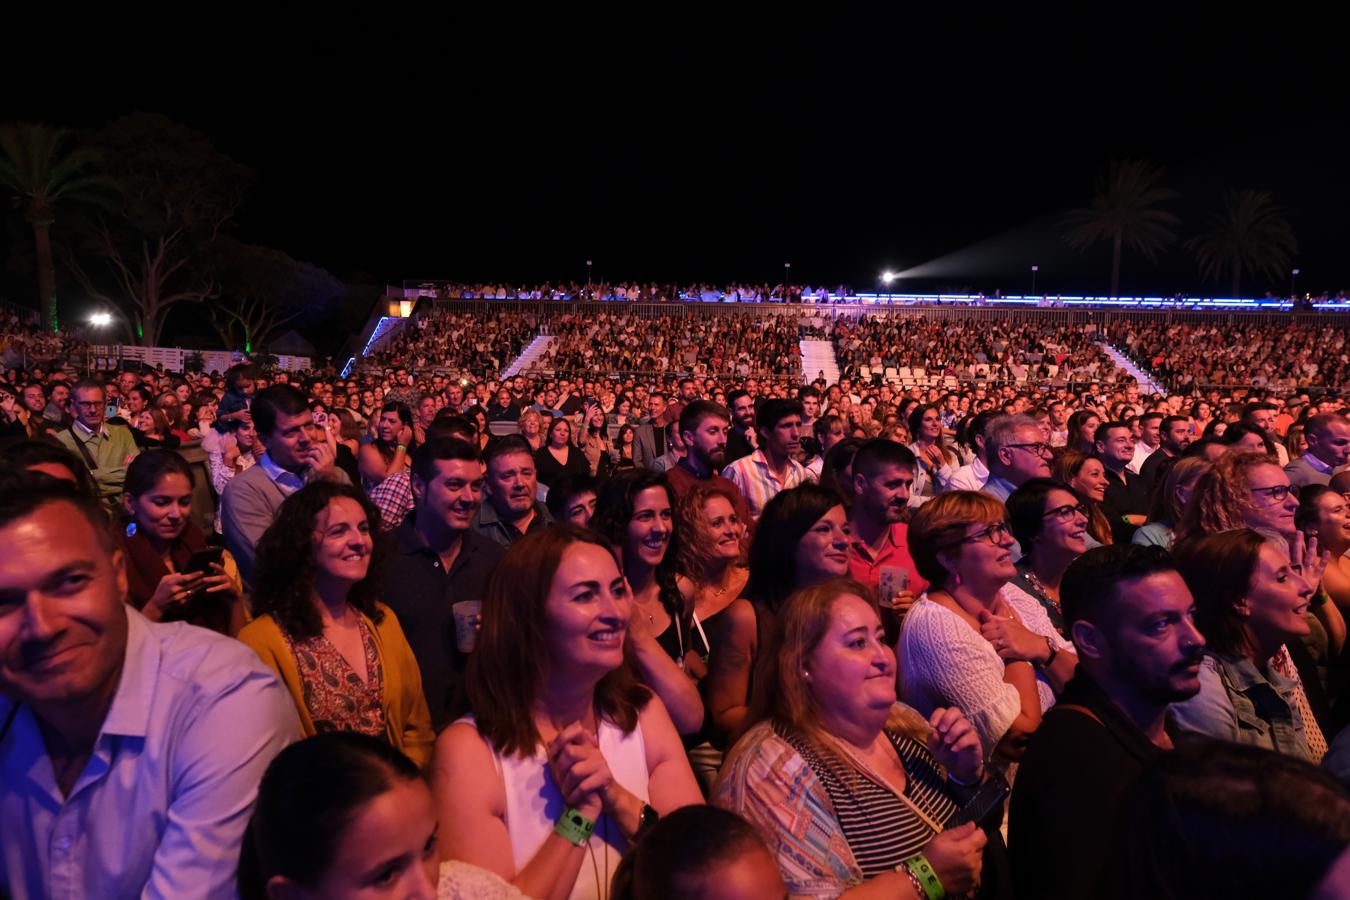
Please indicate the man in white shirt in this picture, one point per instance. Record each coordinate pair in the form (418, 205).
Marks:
(773, 467)
(1150, 438)
(130, 751)
(974, 476)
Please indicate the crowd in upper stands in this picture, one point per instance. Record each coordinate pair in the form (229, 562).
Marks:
(1189, 356)
(423, 631)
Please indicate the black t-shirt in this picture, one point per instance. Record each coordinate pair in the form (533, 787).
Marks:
(421, 594)
(1068, 789)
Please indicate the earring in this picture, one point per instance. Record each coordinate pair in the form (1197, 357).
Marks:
(806, 675)
(958, 579)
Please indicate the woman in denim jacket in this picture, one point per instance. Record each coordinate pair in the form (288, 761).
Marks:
(1250, 599)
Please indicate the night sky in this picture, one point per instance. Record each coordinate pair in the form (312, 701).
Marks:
(703, 153)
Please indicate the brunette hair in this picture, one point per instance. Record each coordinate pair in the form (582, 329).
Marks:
(507, 669)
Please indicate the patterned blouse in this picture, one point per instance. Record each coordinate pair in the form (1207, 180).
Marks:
(830, 829)
(335, 695)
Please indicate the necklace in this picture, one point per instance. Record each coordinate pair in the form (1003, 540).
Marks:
(1040, 588)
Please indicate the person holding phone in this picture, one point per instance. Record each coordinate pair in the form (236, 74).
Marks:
(853, 792)
(172, 575)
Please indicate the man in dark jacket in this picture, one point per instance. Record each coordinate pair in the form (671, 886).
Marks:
(1131, 618)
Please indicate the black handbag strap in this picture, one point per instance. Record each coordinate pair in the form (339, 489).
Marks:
(84, 451)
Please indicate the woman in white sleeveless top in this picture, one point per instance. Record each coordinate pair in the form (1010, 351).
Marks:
(558, 725)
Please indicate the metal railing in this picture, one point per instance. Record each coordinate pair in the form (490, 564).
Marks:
(1079, 315)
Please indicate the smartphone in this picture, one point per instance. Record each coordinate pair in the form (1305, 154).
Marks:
(985, 801)
(200, 562)
(110, 411)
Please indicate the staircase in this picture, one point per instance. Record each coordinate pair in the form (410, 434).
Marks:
(384, 331)
(817, 357)
(529, 356)
(1146, 384)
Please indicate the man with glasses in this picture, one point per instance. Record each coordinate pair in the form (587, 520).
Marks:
(1126, 500)
(107, 449)
(1016, 451)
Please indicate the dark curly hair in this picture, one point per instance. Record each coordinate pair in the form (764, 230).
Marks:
(284, 574)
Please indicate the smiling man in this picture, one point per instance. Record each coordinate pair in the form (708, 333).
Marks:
(512, 510)
(106, 449)
(883, 474)
(130, 751)
(296, 454)
(442, 561)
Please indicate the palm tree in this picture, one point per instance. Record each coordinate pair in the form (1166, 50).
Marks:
(1126, 211)
(1251, 235)
(44, 171)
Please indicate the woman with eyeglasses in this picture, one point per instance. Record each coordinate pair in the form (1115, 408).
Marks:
(1241, 490)
(962, 643)
(1050, 523)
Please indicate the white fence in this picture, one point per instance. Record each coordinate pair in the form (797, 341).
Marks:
(111, 356)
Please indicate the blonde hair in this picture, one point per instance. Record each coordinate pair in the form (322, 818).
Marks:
(1222, 496)
(941, 522)
(691, 523)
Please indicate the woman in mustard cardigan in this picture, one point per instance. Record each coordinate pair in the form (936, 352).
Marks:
(340, 652)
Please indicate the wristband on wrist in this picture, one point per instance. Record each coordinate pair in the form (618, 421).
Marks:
(402, 448)
(921, 870)
(574, 828)
(913, 880)
(1319, 599)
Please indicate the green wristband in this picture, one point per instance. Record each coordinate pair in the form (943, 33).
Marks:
(919, 866)
(574, 828)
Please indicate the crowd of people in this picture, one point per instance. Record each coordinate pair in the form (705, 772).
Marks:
(1004, 351)
(648, 292)
(426, 633)
(1289, 358)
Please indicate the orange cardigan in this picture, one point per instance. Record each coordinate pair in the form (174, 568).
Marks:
(407, 719)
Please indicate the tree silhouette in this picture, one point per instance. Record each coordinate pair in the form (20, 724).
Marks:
(1250, 235)
(179, 195)
(47, 170)
(1126, 212)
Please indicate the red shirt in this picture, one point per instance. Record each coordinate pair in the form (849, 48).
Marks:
(893, 560)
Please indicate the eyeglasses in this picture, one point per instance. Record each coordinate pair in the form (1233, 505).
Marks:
(1040, 448)
(1276, 493)
(1066, 512)
(994, 534)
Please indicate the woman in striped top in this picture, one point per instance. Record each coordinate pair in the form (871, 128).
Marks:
(849, 788)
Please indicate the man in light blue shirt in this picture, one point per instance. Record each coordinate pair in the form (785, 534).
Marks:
(130, 751)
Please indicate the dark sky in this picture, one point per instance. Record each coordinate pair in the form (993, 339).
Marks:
(697, 152)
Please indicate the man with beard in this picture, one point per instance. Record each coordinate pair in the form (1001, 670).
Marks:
(878, 554)
(703, 427)
(512, 511)
(441, 561)
(741, 436)
(1132, 621)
